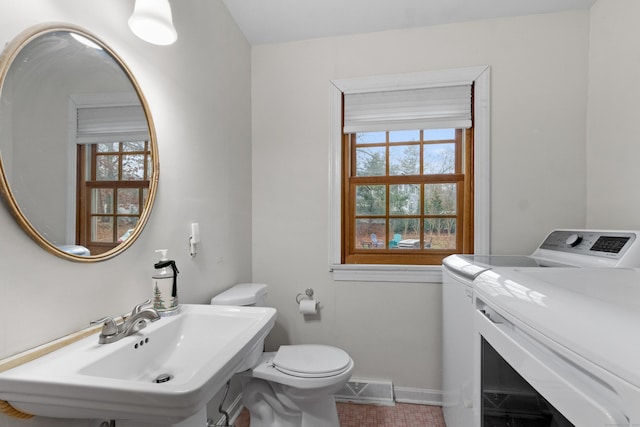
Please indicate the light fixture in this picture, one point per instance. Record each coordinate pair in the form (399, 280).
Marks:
(152, 22)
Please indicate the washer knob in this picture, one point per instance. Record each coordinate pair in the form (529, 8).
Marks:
(573, 240)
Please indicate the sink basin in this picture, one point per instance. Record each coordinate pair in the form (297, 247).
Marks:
(163, 374)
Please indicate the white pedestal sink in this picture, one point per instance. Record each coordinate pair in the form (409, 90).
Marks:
(163, 375)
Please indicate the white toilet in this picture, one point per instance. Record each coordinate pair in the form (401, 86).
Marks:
(294, 386)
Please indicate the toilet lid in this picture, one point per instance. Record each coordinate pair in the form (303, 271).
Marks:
(311, 360)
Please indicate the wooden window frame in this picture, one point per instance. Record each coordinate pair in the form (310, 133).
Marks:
(462, 177)
(86, 184)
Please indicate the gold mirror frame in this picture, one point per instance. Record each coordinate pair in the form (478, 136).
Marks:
(6, 59)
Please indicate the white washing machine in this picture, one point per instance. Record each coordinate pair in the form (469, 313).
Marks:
(557, 347)
(561, 248)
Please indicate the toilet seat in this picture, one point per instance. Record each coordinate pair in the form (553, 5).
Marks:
(265, 369)
(311, 360)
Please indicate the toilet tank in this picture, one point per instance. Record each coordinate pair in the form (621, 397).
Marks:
(243, 294)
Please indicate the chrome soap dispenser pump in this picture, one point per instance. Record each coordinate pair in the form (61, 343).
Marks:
(165, 285)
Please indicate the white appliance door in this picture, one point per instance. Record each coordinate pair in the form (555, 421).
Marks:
(581, 398)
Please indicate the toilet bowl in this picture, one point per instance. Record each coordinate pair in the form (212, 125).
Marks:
(294, 386)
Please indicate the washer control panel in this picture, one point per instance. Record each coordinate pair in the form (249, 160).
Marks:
(609, 244)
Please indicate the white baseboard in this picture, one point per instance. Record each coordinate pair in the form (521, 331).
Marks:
(377, 392)
(420, 396)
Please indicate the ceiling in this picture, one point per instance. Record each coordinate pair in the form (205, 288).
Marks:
(277, 21)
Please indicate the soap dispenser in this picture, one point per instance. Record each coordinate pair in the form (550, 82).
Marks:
(165, 285)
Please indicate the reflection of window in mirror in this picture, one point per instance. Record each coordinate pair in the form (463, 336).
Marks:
(113, 183)
(112, 153)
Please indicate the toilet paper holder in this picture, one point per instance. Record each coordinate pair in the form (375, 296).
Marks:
(308, 294)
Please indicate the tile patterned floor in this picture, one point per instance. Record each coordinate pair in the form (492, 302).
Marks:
(400, 415)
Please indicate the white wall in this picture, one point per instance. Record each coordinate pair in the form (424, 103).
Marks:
(199, 96)
(613, 148)
(538, 97)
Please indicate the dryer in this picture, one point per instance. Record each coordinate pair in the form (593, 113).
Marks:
(561, 248)
(557, 347)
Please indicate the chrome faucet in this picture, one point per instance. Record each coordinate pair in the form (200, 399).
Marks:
(137, 320)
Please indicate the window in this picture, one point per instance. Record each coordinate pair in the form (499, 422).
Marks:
(407, 196)
(413, 203)
(113, 187)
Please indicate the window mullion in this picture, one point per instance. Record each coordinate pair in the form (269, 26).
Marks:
(459, 151)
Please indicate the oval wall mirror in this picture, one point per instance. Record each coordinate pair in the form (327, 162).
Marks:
(78, 154)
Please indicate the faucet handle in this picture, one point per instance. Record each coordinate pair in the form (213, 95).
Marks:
(138, 307)
(109, 326)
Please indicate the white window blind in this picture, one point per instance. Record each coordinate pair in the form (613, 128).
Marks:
(111, 124)
(424, 108)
